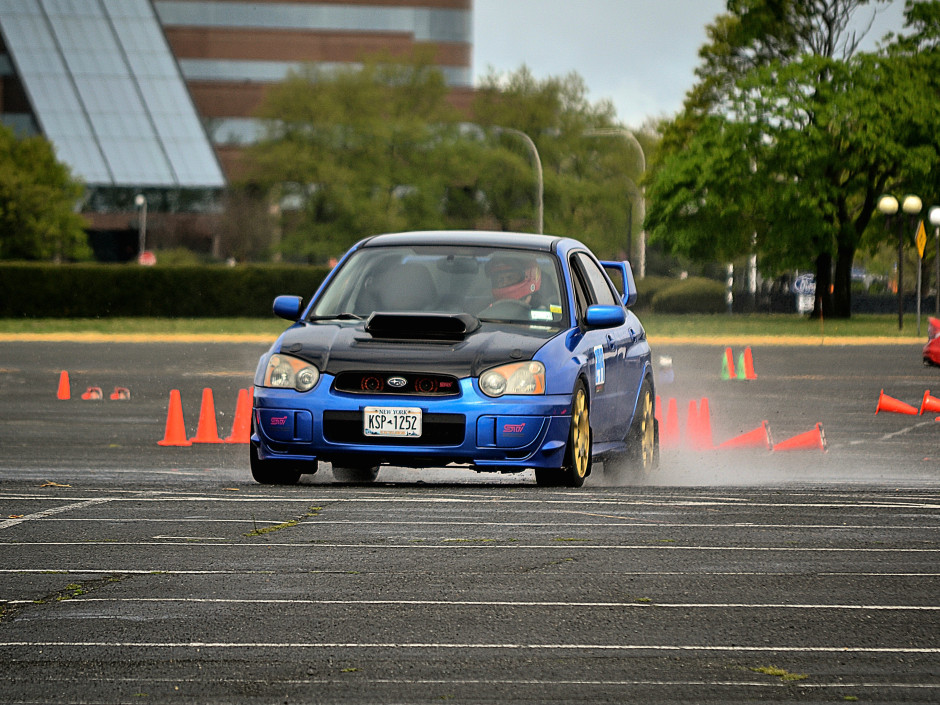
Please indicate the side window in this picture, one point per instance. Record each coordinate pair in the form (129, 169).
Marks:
(582, 297)
(600, 290)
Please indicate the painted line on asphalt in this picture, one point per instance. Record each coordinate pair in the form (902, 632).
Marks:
(13, 521)
(640, 574)
(541, 683)
(574, 499)
(505, 603)
(634, 523)
(462, 544)
(731, 648)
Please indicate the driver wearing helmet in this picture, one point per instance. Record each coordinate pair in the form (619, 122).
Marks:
(514, 278)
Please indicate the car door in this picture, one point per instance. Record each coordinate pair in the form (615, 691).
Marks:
(615, 384)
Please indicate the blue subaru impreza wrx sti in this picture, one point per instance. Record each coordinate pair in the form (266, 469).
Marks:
(498, 352)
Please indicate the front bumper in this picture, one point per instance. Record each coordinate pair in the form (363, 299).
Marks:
(508, 434)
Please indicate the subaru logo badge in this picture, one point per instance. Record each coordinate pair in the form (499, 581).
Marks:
(397, 382)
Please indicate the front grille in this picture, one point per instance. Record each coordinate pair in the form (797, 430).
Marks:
(436, 430)
(427, 385)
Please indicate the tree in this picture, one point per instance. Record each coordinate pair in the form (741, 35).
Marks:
(356, 151)
(790, 136)
(37, 202)
(378, 148)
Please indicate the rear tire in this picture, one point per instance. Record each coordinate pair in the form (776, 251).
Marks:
(642, 454)
(272, 472)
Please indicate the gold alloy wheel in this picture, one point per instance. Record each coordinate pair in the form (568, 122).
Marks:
(580, 435)
(647, 433)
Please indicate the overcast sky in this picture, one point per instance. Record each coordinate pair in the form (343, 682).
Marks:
(641, 54)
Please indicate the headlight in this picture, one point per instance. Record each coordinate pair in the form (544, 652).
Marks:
(285, 372)
(517, 378)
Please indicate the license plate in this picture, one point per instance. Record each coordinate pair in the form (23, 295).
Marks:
(391, 421)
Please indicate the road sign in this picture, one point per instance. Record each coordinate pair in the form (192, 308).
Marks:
(921, 239)
(805, 284)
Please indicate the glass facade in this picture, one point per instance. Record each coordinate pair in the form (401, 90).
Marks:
(425, 24)
(106, 90)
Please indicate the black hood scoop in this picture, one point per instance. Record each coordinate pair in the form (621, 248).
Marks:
(442, 327)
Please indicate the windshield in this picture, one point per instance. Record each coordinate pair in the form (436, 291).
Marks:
(506, 285)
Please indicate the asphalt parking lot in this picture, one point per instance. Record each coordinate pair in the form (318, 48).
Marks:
(132, 572)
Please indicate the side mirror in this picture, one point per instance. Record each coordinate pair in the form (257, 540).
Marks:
(621, 274)
(598, 316)
(289, 307)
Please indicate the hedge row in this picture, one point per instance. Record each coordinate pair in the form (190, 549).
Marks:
(93, 290)
(692, 295)
(100, 290)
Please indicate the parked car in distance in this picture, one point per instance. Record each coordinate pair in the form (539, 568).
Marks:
(493, 351)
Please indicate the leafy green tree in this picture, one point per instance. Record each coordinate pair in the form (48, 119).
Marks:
(591, 166)
(789, 137)
(356, 151)
(37, 202)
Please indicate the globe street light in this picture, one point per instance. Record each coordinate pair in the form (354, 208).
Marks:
(934, 217)
(888, 207)
(912, 206)
(141, 202)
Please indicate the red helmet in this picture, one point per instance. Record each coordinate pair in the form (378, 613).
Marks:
(514, 278)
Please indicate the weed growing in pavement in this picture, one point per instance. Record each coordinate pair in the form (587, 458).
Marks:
(780, 673)
(261, 531)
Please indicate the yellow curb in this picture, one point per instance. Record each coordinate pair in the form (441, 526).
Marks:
(738, 340)
(134, 338)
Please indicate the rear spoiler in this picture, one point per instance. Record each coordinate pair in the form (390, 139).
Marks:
(621, 274)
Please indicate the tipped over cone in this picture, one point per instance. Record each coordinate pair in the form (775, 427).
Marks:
(241, 427)
(175, 434)
(811, 440)
(929, 403)
(207, 431)
(93, 393)
(65, 389)
(757, 438)
(886, 403)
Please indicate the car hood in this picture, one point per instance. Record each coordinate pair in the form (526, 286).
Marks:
(336, 347)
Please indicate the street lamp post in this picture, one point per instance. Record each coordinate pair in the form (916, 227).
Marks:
(641, 195)
(934, 217)
(141, 202)
(538, 169)
(911, 206)
(888, 207)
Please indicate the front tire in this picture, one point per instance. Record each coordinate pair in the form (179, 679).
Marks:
(272, 472)
(578, 458)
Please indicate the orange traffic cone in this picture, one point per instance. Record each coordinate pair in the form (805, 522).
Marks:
(669, 437)
(691, 426)
(727, 365)
(175, 434)
(704, 434)
(93, 393)
(758, 438)
(886, 403)
(929, 403)
(120, 393)
(749, 364)
(811, 440)
(65, 389)
(207, 431)
(241, 427)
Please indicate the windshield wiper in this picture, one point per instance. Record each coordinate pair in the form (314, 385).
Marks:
(336, 317)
